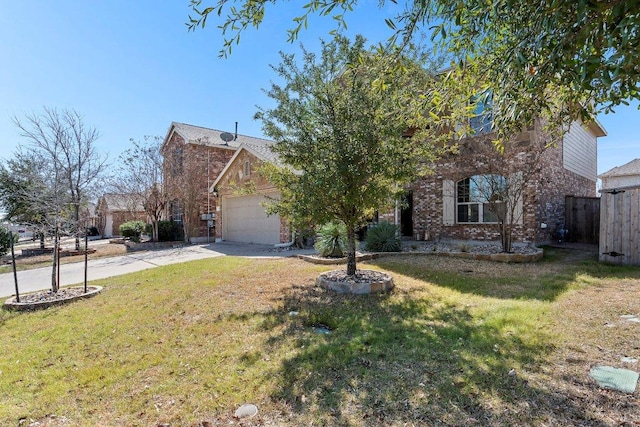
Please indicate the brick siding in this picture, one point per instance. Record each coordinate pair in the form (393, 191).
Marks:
(543, 199)
(200, 158)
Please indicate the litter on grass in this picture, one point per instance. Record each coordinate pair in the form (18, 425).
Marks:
(609, 377)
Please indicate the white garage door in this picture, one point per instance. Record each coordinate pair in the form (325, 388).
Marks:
(244, 220)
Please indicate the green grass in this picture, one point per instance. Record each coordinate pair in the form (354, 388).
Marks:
(192, 342)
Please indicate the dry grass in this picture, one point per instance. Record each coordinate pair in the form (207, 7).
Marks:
(457, 342)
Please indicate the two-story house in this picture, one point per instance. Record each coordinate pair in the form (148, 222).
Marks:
(194, 156)
(444, 205)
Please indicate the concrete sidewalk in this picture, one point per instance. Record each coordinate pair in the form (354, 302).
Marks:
(73, 273)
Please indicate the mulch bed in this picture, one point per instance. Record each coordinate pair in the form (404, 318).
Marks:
(48, 296)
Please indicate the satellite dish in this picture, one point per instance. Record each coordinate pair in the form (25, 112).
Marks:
(226, 137)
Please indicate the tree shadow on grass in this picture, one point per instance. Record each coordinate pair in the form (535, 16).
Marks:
(403, 358)
(543, 281)
(512, 282)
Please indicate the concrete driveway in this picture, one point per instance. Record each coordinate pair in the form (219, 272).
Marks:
(70, 274)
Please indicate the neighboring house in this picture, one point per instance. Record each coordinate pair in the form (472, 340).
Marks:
(114, 210)
(627, 175)
(88, 215)
(194, 157)
(445, 205)
(620, 214)
(241, 192)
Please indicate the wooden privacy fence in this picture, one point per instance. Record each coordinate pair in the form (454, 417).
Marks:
(582, 219)
(619, 228)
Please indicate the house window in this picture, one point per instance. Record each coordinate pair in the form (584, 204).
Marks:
(247, 168)
(176, 211)
(482, 121)
(479, 199)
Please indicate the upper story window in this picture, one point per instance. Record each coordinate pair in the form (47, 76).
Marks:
(479, 199)
(482, 120)
(247, 168)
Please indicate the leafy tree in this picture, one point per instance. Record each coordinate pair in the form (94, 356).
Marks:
(140, 175)
(34, 193)
(5, 240)
(21, 185)
(584, 53)
(528, 48)
(340, 122)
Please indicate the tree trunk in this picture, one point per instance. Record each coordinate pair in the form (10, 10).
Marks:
(351, 250)
(154, 227)
(505, 237)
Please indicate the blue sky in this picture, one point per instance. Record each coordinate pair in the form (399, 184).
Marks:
(130, 68)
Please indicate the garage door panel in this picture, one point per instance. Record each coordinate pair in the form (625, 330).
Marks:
(244, 220)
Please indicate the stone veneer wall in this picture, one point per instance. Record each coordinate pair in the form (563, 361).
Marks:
(236, 182)
(543, 198)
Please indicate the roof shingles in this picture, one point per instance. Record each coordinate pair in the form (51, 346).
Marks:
(201, 135)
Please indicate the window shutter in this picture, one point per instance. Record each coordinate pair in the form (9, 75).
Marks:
(448, 202)
(517, 184)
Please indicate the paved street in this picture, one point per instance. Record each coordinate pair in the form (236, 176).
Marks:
(40, 278)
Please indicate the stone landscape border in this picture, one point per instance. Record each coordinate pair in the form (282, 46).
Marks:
(12, 304)
(314, 259)
(382, 283)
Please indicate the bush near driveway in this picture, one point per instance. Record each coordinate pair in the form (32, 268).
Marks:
(132, 230)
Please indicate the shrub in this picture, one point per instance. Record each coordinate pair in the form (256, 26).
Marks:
(332, 240)
(93, 231)
(383, 237)
(169, 231)
(132, 230)
(5, 240)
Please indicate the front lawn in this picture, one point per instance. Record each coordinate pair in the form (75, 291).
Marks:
(457, 342)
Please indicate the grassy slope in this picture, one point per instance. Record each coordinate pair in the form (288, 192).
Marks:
(456, 343)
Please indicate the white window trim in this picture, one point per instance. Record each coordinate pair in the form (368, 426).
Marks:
(480, 203)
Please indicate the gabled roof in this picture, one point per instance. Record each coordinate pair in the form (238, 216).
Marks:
(596, 127)
(261, 151)
(122, 202)
(628, 169)
(210, 137)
